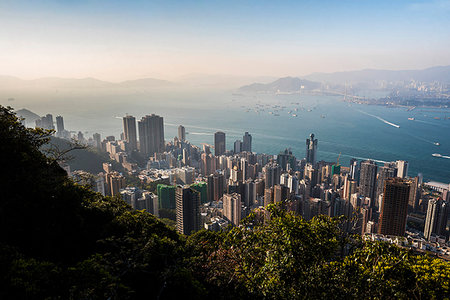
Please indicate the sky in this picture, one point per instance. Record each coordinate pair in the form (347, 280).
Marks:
(119, 40)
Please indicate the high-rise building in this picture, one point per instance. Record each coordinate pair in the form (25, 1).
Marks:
(402, 168)
(311, 149)
(181, 133)
(151, 135)
(384, 173)
(394, 207)
(97, 140)
(45, 122)
(280, 193)
(129, 132)
(247, 142)
(354, 169)
(202, 188)
(59, 124)
(237, 146)
(115, 181)
(436, 220)
(219, 143)
(232, 208)
(166, 196)
(368, 180)
(272, 174)
(187, 210)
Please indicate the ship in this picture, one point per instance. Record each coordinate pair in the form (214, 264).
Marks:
(436, 155)
(437, 144)
(294, 115)
(411, 119)
(322, 116)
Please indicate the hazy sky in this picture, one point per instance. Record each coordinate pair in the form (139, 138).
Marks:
(115, 40)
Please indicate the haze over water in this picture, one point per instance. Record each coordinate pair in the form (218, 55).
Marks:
(357, 131)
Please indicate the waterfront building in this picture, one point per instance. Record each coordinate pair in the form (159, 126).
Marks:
(151, 135)
(129, 132)
(436, 220)
(181, 133)
(311, 149)
(368, 179)
(247, 142)
(219, 143)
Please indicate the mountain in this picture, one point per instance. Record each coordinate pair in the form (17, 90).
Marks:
(28, 115)
(286, 84)
(221, 80)
(146, 82)
(440, 74)
(78, 83)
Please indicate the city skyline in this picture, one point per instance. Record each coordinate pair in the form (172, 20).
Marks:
(118, 40)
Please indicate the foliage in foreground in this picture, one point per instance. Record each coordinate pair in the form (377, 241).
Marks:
(60, 240)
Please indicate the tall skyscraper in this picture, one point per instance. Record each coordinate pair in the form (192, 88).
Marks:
(187, 210)
(247, 142)
(368, 180)
(45, 122)
(129, 131)
(232, 207)
(181, 133)
(402, 168)
(394, 207)
(59, 124)
(219, 143)
(354, 169)
(237, 146)
(436, 220)
(311, 149)
(383, 173)
(97, 140)
(151, 135)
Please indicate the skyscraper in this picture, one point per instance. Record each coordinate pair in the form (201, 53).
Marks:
(181, 133)
(311, 149)
(59, 124)
(237, 146)
(436, 220)
(187, 210)
(151, 135)
(129, 131)
(247, 142)
(232, 207)
(97, 140)
(219, 143)
(368, 180)
(394, 207)
(383, 173)
(272, 174)
(402, 168)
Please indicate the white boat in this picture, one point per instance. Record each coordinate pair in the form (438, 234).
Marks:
(437, 144)
(294, 115)
(437, 155)
(411, 119)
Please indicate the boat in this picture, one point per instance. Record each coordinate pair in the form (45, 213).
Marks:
(411, 119)
(294, 115)
(436, 143)
(322, 116)
(436, 155)
(437, 118)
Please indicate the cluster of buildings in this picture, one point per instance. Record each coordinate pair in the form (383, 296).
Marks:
(212, 187)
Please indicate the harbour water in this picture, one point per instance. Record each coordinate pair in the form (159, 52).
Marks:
(356, 131)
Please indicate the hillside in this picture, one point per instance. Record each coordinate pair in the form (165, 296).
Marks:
(439, 74)
(286, 84)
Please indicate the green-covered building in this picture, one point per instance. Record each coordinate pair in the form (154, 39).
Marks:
(202, 188)
(166, 196)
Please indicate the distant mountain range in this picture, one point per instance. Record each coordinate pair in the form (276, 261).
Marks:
(56, 82)
(362, 77)
(440, 74)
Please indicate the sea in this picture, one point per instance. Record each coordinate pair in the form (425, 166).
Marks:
(276, 122)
